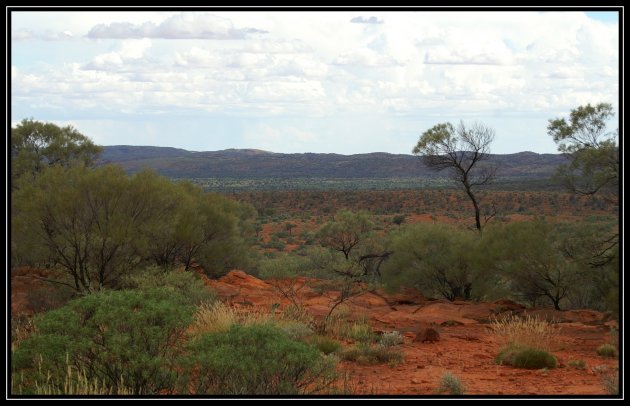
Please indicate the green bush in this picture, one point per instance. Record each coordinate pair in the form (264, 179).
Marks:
(188, 284)
(256, 360)
(391, 339)
(362, 332)
(451, 384)
(115, 336)
(607, 351)
(296, 330)
(325, 344)
(365, 354)
(528, 358)
(578, 364)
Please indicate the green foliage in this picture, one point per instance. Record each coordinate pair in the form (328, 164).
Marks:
(361, 332)
(577, 364)
(97, 225)
(324, 344)
(366, 354)
(115, 336)
(607, 351)
(593, 151)
(435, 139)
(84, 221)
(451, 384)
(461, 150)
(36, 145)
(530, 254)
(391, 339)
(528, 358)
(346, 232)
(438, 259)
(398, 219)
(256, 360)
(296, 330)
(586, 125)
(186, 285)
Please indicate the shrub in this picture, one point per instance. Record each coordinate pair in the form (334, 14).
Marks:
(366, 354)
(122, 336)
(256, 360)
(391, 339)
(527, 332)
(296, 330)
(607, 351)
(218, 317)
(362, 332)
(528, 358)
(325, 344)
(451, 384)
(188, 283)
(578, 364)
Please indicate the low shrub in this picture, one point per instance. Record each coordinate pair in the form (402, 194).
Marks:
(296, 330)
(528, 358)
(529, 332)
(114, 336)
(578, 364)
(390, 339)
(325, 344)
(366, 354)
(451, 384)
(607, 351)
(256, 360)
(187, 283)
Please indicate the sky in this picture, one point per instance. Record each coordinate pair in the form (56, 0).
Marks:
(333, 82)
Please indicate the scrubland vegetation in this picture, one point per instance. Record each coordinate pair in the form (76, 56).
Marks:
(124, 257)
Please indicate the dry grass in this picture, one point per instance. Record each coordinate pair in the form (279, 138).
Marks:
(75, 383)
(218, 317)
(528, 332)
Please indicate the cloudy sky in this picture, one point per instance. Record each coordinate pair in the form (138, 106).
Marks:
(344, 82)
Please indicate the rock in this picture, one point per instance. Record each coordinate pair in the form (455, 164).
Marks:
(428, 334)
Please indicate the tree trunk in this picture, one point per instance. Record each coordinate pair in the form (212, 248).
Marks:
(474, 201)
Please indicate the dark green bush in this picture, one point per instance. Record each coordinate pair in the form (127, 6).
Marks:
(256, 360)
(366, 354)
(528, 358)
(607, 351)
(188, 284)
(325, 344)
(114, 336)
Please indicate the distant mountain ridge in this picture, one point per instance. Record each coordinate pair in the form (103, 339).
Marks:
(253, 164)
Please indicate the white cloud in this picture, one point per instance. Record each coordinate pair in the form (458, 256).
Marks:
(365, 57)
(130, 50)
(181, 26)
(366, 20)
(318, 65)
(48, 35)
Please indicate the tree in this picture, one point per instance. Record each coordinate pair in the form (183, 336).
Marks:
(351, 235)
(591, 149)
(36, 145)
(85, 222)
(346, 232)
(439, 259)
(532, 255)
(94, 225)
(461, 150)
(593, 169)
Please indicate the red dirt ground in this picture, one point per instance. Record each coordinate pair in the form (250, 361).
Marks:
(467, 350)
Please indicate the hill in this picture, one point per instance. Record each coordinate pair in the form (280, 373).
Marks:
(257, 164)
